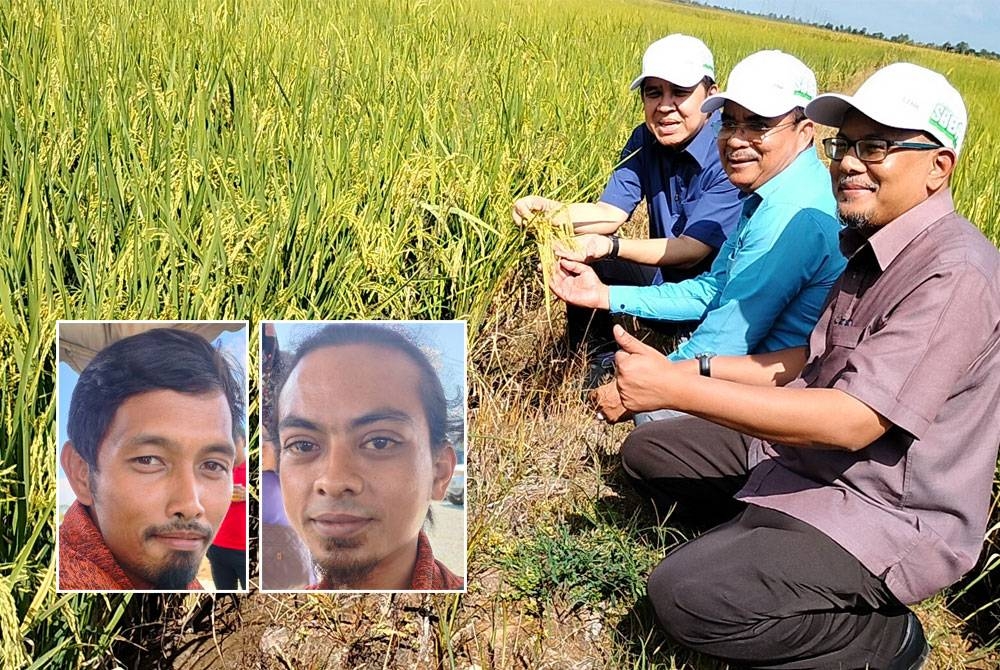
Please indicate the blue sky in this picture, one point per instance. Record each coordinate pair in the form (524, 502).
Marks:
(976, 22)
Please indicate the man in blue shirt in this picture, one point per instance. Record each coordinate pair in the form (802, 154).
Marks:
(769, 282)
(670, 161)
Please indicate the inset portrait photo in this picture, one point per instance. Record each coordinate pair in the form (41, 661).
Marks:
(363, 456)
(152, 455)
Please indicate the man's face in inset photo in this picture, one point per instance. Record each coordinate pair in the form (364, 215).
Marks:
(162, 483)
(357, 468)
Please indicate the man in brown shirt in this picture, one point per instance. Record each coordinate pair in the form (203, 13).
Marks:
(866, 482)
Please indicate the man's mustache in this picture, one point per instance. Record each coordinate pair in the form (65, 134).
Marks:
(176, 528)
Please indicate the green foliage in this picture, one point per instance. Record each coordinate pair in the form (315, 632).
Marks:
(599, 566)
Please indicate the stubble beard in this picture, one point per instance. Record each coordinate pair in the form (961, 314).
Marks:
(859, 221)
(177, 570)
(339, 568)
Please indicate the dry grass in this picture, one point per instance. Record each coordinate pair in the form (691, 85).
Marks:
(542, 464)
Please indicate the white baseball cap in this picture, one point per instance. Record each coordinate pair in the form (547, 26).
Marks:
(680, 59)
(901, 95)
(768, 83)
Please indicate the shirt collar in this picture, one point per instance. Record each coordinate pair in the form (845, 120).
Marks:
(773, 184)
(889, 241)
(703, 148)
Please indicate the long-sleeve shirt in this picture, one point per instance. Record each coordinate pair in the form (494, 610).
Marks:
(769, 283)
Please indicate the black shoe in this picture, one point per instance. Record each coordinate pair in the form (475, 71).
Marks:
(914, 649)
(600, 370)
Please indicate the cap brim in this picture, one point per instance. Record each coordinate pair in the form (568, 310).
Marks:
(675, 78)
(712, 103)
(768, 108)
(830, 109)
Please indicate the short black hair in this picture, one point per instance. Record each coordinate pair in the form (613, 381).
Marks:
(161, 358)
(443, 426)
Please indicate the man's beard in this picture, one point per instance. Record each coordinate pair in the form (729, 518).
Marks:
(339, 569)
(861, 222)
(179, 571)
(179, 568)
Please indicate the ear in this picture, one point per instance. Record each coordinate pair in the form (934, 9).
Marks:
(444, 467)
(806, 133)
(942, 165)
(713, 89)
(78, 472)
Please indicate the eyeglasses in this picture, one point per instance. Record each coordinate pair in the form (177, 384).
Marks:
(754, 131)
(868, 150)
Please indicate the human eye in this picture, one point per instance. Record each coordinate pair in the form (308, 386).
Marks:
(835, 147)
(300, 447)
(147, 463)
(872, 149)
(758, 126)
(728, 124)
(380, 443)
(652, 92)
(679, 92)
(216, 467)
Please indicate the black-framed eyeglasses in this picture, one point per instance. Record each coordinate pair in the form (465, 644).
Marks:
(869, 150)
(754, 131)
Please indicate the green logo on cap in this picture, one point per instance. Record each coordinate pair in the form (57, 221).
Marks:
(947, 122)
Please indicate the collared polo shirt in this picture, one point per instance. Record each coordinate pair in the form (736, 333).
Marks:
(769, 283)
(911, 331)
(687, 191)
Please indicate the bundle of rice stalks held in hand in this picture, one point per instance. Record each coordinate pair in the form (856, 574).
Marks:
(550, 229)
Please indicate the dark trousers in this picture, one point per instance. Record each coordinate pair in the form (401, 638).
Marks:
(229, 568)
(762, 589)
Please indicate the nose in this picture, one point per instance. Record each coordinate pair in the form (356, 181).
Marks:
(666, 104)
(737, 139)
(850, 162)
(342, 472)
(185, 495)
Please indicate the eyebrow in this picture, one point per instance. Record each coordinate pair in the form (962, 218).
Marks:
(148, 439)
(381, 414)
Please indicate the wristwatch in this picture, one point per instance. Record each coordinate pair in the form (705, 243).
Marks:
(613, 254)
(705, 363)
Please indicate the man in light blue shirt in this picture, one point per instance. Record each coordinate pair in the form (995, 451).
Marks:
(769, 282)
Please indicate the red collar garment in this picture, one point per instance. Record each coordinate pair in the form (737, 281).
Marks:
(86, 563)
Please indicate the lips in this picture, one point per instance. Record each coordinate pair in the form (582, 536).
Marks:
(741, 157)
(844, 185)
(339, 525)
(182, 541)
(849, 189)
